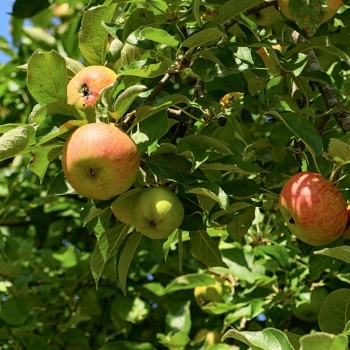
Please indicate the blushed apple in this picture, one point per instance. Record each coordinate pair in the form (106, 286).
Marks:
(157, 212)
(85, 87)
(332, 8)
(313, 208)
(100, 161)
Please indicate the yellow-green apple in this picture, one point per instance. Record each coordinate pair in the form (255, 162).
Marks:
(210, 337)
(85, 87)
(332, 8)
(157, 212)
(265, 17)
(308, 311)
(100, 161)
(313, 208)
(122, 206)
(210, 293)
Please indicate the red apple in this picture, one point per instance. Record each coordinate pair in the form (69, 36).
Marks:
(85, 87)
(100, 161)
(313, 208)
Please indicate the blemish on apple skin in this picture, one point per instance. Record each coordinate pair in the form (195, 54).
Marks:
(91, 173)
(291, 221)
(152, 223)
(85, 91)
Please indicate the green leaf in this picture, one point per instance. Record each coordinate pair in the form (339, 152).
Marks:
(323, 341)
(205, 37)
(268, 339)
(39, 113)
(341, 253)
(189, 281)
(47, 77)
(335, 312)
(280, 253)
(144, 69)
(138, 18)
(303, 129)
(16, 141)
(159, 35)
(160, 104)
(125, 99)
(107, 244)
(60, 185)
(179, 317)
(212, 191)
(15, 311)
(93, 37)
(205, 249)
(170, 166)
(339, 151)
(201, 148)
(25, 9)
(42, 157)
(232, 9)
(125, 257)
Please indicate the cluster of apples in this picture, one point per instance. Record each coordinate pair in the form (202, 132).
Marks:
(314, 209)
(101, 162)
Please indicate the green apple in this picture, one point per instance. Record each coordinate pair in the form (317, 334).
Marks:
(157, 212)
(85, 87)
(210, 337)
(313, 208)
(100, 161)
(210, 293)
(309, 311)
(122, 206)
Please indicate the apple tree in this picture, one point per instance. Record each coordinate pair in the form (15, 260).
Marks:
(224, 102)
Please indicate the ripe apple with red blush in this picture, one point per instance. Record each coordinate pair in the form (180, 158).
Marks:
(100, 161)
(313, 208)
(85, 87)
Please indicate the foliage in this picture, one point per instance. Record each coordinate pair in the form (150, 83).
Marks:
(222, 109)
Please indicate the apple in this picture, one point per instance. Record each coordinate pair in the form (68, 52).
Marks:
(332, 8)
(265, 17)
(122, 206)
(157, 212)
(210, 337)
(308, 311)
(313, 208)
(100, 161)
(85, 87)
(210, 293)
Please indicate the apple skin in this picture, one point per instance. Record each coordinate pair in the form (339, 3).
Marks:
(211, 337)
(332, 8)
(85, 87)
(157, 212)
(122, 206)
(313, 208)
(209, 293)
(100, 161)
